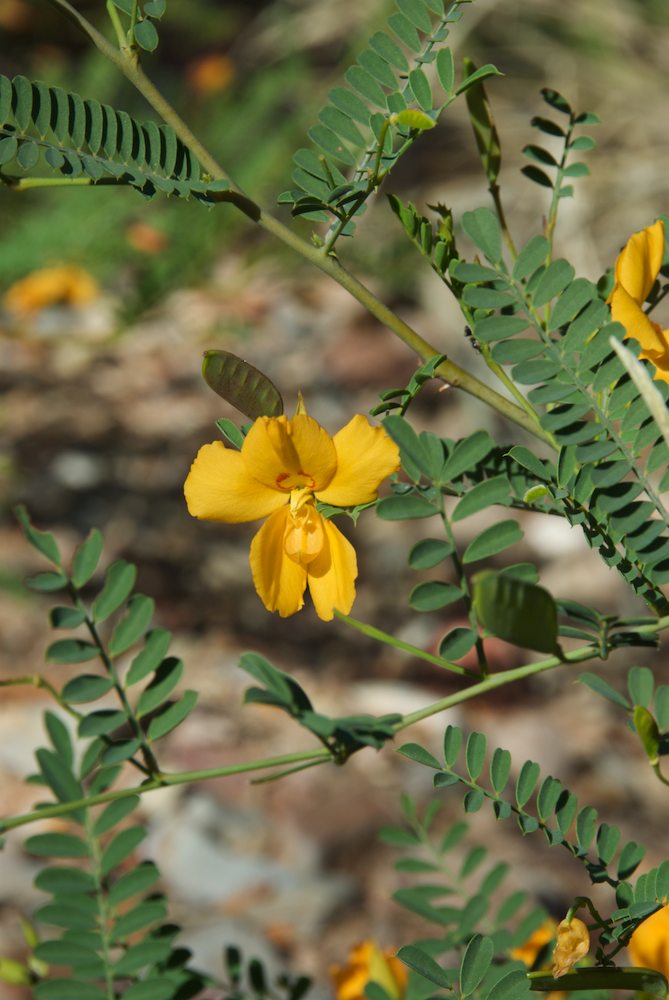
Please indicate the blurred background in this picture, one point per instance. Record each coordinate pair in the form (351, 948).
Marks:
(103, 410)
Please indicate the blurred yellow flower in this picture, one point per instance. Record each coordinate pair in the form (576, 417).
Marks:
(210, 74)
(529, 951)
(63, 283)
(368, 964)
(636, 269)
(283, 468)
(649, 945)
(573, 942)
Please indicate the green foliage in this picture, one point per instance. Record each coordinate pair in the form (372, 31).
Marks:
(564, 131)
(107, 927)
(608, 445)
(241, 384)
(517, 611)
(250, 981)
(544, 805)
(49, 130)
(116, 735)
(462, 896)
(368, 125)
(546, 334)
(342, 736)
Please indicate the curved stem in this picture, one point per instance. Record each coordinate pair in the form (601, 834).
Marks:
(406, 647)
(178, 778)
(498, 680)
(319, 755)
(448, 370)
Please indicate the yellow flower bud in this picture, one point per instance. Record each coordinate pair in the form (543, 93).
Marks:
(573, 942)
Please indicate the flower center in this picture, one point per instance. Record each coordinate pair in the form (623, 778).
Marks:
(304, 535)
(289, 481)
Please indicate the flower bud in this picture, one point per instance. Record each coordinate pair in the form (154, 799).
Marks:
(573, 942)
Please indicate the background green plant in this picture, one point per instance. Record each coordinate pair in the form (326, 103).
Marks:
(584, 405)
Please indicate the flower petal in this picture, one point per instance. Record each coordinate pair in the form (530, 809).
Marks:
(288, 454)
(649, 945)
(640, 260)
(332, 574)
(279, 581)
(219, 488)
(365, 456)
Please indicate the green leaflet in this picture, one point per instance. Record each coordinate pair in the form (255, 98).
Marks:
(519, 612)
(46, 129)
(241, 384)
(387, 102)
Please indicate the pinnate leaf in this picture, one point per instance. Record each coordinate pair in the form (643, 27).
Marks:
(86, 558)
(119, 581)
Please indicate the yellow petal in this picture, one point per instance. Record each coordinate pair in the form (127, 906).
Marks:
(290, 454)
(573, 942)
(332, 574)
(649, 945)
(365, 456)
(529, 951)
(279, 581)
(662, 366)
(219, 488)
(305, 532)
(640, 260)
(637, 324)
(367, 963)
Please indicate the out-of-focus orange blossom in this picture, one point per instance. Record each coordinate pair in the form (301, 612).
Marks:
(14, 14)
(210, 74)
(146, 238)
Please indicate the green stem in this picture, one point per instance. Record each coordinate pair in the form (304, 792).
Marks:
(150, 761)
(103, 907)
(164, 780)
(499, 209)
(494, 681)
(277, 775)
(406, 647)
(510, 386)
(658, 773)
(25, 183)
(555, 198)
(40, 683)
(464, 587)
(116, 24)
(327, 263)
(186, 777)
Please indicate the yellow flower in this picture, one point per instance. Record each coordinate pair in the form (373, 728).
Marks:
(636, 269)
(529, 951)
(284, 466)
(573, 942)
(66, 283)
(649, 945)
(368, 964)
